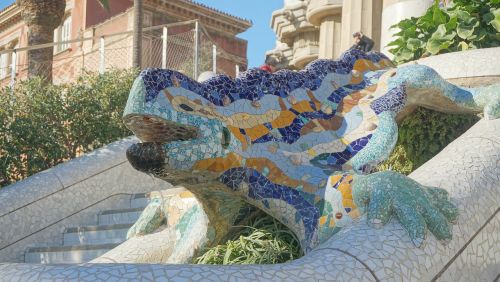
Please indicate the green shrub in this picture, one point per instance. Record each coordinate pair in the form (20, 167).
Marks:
(424, 134)
(43, 125)
(265, 241)
(466, 24)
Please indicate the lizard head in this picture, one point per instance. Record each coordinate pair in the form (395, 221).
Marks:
(177, 129)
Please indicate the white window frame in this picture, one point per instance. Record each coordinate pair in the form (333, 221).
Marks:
(5, 59)
(63, 33)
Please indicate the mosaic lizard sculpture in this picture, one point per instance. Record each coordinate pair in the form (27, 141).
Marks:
(300, 146)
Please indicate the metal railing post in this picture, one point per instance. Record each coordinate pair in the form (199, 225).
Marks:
(13, 69)
(164, 50)
(196, 39)
(102, 66)
(214, 58)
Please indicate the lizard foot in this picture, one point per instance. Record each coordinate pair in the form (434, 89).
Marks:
(418, 208)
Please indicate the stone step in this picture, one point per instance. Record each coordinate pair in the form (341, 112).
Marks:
(139, 201)
(66, 254)
(119, 216)
(98, 234)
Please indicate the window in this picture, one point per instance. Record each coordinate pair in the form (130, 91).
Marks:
(6, 59)
(63, 33)
(4, 65)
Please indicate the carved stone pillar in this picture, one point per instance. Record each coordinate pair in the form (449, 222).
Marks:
(329, 37)
(326, 14)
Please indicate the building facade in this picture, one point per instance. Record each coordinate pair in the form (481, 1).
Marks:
(86, 18)
(310, 29)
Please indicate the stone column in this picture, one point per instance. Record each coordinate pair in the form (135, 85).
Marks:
(329, 37)
(326, 14)
(364, 16)
(396, 10)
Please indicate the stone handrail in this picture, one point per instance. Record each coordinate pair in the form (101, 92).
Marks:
(35, 210)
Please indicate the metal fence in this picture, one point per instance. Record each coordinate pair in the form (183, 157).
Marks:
(186, 47)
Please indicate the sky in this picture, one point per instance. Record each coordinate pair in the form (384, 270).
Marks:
(260, 36)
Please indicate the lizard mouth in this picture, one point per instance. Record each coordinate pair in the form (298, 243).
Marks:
(151, 128)
(154, 132)
(147, 157)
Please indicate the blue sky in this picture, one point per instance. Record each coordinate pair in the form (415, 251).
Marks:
(260, 37)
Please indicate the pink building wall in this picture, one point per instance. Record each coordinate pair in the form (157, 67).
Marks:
(89, 19)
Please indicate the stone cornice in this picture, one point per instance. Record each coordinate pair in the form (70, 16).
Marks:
(9, 16)
(209, 17)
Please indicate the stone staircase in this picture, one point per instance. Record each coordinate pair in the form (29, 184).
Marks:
(83, 244)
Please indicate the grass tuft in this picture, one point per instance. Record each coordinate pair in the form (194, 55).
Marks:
(265, 241)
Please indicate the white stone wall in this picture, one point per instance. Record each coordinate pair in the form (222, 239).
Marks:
(36, 210)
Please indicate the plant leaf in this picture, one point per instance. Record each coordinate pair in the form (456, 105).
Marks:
(466, 29)
(496, 22)
(463, 46)
(438, 15)
(414, 44)
(405, 54)
(452, 23)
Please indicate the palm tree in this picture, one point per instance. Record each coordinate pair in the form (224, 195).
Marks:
(41, 17)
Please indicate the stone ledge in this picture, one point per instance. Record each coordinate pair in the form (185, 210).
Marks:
(466, 64)
(49, 181)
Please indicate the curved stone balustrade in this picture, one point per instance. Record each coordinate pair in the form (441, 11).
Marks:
(468, 168)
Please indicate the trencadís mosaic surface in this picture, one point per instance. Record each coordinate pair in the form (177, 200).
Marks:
(300, 146)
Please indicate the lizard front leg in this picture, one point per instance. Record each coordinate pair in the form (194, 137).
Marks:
(418, 208)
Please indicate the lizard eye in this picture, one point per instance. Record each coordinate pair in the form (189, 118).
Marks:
(226, 138)
(186, 108)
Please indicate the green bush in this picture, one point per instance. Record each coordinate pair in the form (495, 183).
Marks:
(43, 125)
(466, 24)
(424, 134)
(265, 241)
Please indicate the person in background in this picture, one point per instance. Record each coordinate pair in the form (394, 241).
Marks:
(270, 65)
(362, 42)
